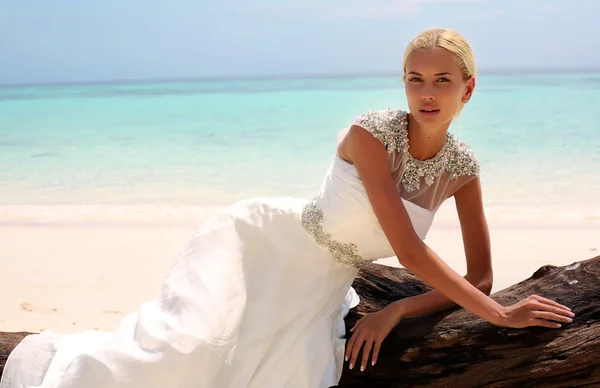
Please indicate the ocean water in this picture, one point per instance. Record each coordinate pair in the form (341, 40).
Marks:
(176, 151)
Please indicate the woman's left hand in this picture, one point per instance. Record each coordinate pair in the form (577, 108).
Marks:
(370, 331)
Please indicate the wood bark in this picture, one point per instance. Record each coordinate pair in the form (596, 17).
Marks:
(458, 349)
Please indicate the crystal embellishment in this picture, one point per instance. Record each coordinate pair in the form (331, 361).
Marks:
(345, 253)
(387, 126)
(391, 128)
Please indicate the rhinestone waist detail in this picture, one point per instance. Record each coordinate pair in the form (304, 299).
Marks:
(344, 253)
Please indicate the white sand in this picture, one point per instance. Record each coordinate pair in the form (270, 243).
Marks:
(71, 278)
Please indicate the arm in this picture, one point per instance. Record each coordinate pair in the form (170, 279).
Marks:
(370, 159)
(476, 240)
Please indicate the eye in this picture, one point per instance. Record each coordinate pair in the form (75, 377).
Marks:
(443, 79)
(414, 79)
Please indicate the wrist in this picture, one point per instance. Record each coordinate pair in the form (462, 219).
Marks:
(500, 317)
(397, 309)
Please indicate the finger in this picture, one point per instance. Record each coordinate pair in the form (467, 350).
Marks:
(540, 306)
(552, 303)
(376, 352)
(357, 346)
(543, 323)
(366, 352)
(350, 346)
(553, 309)
(351, 343)
(551, 316)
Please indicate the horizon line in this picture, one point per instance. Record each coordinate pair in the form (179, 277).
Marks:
(290, 76)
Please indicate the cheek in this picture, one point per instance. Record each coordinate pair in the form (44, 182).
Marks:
(452, 96)
(412, 93)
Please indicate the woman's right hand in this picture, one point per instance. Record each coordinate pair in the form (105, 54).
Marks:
(536, 311)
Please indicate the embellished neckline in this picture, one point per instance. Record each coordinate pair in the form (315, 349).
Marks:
(391, 128)
(438, 155)
(430, 168)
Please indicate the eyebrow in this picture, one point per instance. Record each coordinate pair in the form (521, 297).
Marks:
(437, 75)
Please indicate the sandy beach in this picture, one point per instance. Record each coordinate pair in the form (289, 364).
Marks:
(76, 277)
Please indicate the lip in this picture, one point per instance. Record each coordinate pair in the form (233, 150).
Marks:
(429, 111)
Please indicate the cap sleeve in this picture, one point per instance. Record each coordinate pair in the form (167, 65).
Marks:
(462, 162)
(462, 167)
(389, 126)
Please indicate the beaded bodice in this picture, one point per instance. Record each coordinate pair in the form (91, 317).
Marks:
(341, 218)
(391, 127)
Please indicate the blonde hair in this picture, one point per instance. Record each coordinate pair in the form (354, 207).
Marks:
(449, 40)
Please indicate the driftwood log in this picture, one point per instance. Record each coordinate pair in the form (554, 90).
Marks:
(457, 349)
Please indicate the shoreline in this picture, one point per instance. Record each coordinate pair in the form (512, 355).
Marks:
(189, 216)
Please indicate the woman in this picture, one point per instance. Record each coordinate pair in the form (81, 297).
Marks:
(258, 297)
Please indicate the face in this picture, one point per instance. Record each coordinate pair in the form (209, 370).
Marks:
(435, 88)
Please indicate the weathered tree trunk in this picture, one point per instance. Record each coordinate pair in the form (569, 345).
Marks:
(457, 349)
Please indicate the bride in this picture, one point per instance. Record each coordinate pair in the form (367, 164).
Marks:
(258, 296)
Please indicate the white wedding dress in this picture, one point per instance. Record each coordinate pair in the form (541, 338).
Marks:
(258, 297)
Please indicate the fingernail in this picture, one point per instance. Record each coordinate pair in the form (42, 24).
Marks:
(346, 358)
(362, 368)
(351, 366)
(372, 363)
(570, 320)
(572, 314)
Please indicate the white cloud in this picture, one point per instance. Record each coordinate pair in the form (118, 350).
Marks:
(484, 15)
(374, 9)
(347, 9)
(552, 8)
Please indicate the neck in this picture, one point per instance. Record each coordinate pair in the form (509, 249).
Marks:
(425, 142)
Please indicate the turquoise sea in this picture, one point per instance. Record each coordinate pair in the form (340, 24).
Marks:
(174, 150)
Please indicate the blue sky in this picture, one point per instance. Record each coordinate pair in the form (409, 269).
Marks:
(84, 40)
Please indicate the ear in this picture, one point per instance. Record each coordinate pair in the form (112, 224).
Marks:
(469, 88)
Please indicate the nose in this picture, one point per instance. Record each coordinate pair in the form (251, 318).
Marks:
(428, 94)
